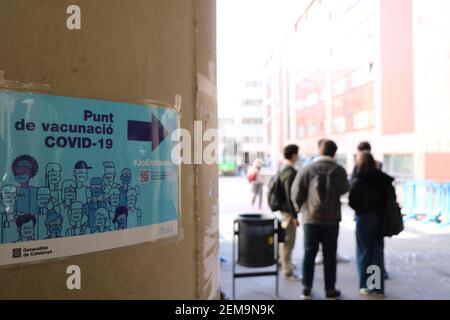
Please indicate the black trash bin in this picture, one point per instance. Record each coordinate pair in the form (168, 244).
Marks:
(257, 246)
(256, 240)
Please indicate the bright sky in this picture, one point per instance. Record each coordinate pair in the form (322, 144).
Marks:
(246, 34)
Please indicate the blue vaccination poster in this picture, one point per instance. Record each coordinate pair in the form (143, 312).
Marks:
(81, 175)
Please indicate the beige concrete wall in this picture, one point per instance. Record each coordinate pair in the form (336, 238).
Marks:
(126, 51)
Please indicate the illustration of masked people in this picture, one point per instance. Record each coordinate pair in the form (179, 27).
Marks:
(109, 175)
(81, 174)
(25, 227)
(44, 204)
(91, 207)
(126, 179)
(76, 220)
(68, 196)
(53, 223)
(8, 197)
(53, 179)
(120, 218)
(114, 201)
(24, 168)
(134, 214)
(101, 221)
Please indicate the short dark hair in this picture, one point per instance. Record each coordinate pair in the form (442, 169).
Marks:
(25, 218)
(120, 211)
(328, 148)
(290, 151)
(364, 146)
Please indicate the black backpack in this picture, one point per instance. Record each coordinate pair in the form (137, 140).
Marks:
(391, 215)
(276, 196)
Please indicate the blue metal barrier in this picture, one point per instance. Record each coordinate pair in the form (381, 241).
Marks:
(446, 207)
(435, 204)
(409, 200)
(426, 198)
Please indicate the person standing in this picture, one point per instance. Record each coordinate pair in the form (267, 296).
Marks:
(257, 181)
(367, 196)
(289, 219)
(365, 147)
(316, 192)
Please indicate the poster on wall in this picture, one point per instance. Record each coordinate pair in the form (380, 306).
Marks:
(83, 175)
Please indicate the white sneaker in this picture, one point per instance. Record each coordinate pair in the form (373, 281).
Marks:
(306, 295)
(319, 259)
(364, 292)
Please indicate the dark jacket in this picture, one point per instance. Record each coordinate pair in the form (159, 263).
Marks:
(287, 176)
(330, 212)
(368, 190)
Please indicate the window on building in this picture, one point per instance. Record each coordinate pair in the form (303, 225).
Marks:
(226, 122)
(312, 99)
(254, 84)
(301, 132)
(339, 124)
(362, 76)
(399, 165)
(341, 159)
(364, 119)
(300, 104)
(253, 140)
(312, 130)
(252, 121)
(253, 102)
(339, 87)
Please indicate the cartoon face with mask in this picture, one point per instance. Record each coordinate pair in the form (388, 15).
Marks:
(69, 191)
(8, 196)
(23, 174)
(126, 177)
(25, 226)
(96, 187)
(43, 197)
(53, 173)
(80, 171)
(109, 173)
(54, 223)
(131, 199)
(76, 212)
(114, 196)
(24, 169)
(121, 217)
(101, 218)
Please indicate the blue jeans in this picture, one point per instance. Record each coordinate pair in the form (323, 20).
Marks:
(369, 249)
(327, 235)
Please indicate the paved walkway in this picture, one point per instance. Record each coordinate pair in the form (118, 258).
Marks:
(418, 261)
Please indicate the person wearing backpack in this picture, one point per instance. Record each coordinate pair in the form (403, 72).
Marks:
(279, 199)
(366, 147)
(316, 193)
(368, 190)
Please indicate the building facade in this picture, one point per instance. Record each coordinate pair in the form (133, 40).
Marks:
(242, 138)
(357, 70)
